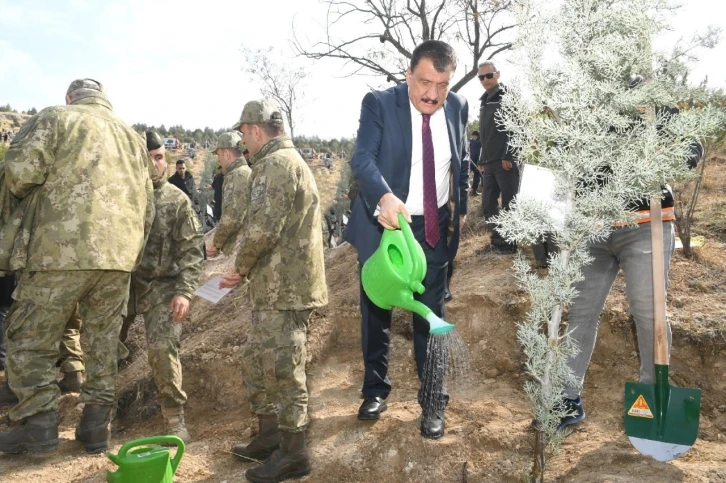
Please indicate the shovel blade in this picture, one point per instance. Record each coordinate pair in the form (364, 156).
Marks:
(658, 450)
(663, 428)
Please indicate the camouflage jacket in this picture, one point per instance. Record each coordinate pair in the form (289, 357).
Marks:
(173, 256)
(93, 178)
(282, 253)
(235, 198)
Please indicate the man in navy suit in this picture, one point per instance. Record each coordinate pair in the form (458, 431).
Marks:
(411, 157)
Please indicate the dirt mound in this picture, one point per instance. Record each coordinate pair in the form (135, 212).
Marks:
(487, 437)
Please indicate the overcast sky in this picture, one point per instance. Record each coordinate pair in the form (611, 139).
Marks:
(179, 61)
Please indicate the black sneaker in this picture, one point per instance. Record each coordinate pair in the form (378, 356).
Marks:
(574, 407)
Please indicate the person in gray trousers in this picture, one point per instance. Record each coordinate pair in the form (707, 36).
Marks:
(628, 248)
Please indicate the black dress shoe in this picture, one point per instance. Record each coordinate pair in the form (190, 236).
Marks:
(432, 425)
(447, 293)
(372, 408)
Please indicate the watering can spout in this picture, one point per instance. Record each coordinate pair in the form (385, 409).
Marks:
(438, 326)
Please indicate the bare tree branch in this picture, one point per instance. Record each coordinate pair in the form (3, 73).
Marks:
(282, 84)
(377, 37)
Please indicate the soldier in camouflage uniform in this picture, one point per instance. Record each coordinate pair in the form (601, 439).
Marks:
(235, 193)
(71, 359)
(282, 254)
(91, 175)
(71, 356)
(162, 286)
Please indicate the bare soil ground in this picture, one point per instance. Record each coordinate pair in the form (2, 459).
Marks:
(487, 437)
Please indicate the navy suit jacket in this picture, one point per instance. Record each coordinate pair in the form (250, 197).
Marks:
(382, 163)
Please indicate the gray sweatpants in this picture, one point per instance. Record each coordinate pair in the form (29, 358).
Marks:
(629, 249)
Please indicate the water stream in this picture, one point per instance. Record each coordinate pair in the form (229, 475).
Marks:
(447, 369)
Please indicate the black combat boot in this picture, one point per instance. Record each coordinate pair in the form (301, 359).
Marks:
(262, 445)
(7, 396)
(71, 382)
(35, 434)
(92, 430)
(291, 460)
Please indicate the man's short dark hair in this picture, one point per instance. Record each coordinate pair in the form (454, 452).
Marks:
(475, 133)
(438, 52)
(180, 161)
(272, 130)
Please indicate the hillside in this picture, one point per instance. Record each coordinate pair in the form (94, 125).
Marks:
(487, 437)
(11, 121)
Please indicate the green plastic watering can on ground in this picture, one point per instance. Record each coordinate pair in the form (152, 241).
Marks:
(394, 273)
(144, 461)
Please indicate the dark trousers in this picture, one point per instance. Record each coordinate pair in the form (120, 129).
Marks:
(3, 345)
(495, 182)
(543, 249)
(376, 322)
(477, 176)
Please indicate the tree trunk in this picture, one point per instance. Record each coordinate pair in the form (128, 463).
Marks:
(687, 251)
(538, 466)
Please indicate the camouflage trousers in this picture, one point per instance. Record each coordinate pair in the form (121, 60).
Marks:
(163, 341)
(44, 302)
(71, 354)
(274, 367)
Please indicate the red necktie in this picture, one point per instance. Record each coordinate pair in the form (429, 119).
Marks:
(430, 198)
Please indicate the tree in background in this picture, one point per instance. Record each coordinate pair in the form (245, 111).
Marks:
(686, 192)
(184, 135)
(393, 28)
(608, 147)
(282, 83)
(332, 146)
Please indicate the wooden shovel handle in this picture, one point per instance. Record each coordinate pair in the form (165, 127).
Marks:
(659, 283)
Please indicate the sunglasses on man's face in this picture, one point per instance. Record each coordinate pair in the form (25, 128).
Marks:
(490, 75)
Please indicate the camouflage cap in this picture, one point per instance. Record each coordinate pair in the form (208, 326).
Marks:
(228, 140)
(81, 88)
(262, 111)
(153, 140)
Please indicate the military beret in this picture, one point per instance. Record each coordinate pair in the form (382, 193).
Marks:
(262, 111)
(153, 140)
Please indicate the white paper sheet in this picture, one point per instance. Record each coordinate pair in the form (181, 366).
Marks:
(539, 184)
(211, 291)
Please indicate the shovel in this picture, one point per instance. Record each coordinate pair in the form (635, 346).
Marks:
(661, 420)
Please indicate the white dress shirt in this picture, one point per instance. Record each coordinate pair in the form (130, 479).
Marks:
(442, 159)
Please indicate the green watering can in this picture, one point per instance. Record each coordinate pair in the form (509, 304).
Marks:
(395, 271)
(144, 461)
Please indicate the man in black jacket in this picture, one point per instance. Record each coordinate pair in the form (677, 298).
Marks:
(474, 152)
(183, 179)
(216, 185)
(497, 161)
